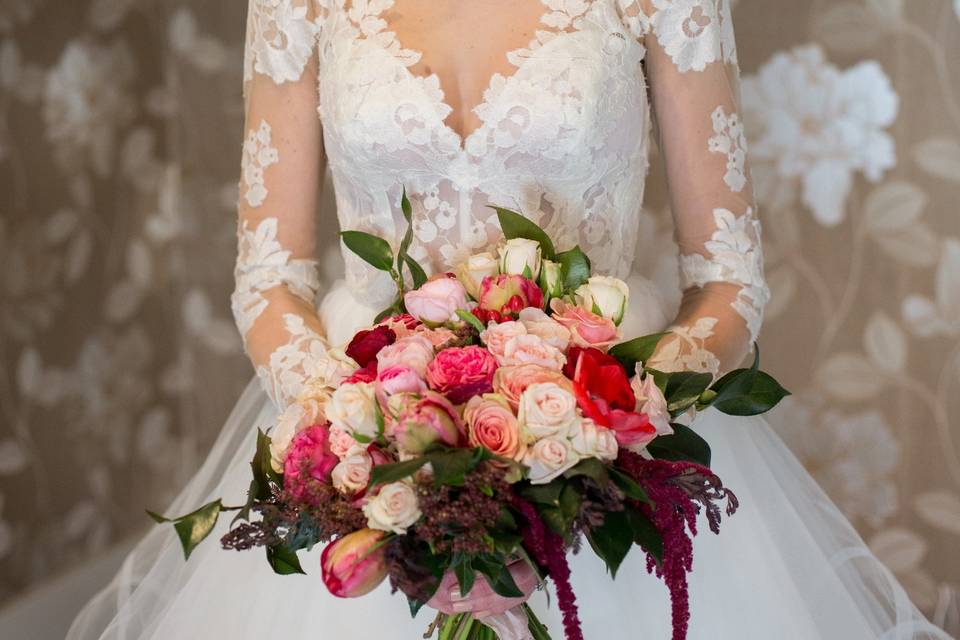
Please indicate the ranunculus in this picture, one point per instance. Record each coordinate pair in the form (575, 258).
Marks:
(398, 379)
(294, 419)
(590, 440)
(424, 421)
(520, 256)
(477, 267)
(341, 442)
(531, 349)
(548, 458)
(491, 424)
(549, 330)
(511, 381)
(496, 335)
(587, 329)
(308, 461)
(414, 351)
(353, 408)
(551, 279)
(366, 344)
(437, 300)
(507, 294)
(633, 430)
(547, 410)
(394, 508)
(352, 473)
(602, 376)
(650, 401)
(460, 373)
(354, 565)
(605, 296)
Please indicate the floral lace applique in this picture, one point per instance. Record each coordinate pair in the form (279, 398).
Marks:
(735, 256)
(731, 140)
(258, 154)
(280, 39)
(292, 365)
(685, 349)
(262, 263)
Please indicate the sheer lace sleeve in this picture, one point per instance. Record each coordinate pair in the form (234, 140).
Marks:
(694, 83)
(276, 271)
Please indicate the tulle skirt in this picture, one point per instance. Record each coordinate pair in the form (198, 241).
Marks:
(786, 565)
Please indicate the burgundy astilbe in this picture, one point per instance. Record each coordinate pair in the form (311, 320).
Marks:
(678, 489)
(549, 551)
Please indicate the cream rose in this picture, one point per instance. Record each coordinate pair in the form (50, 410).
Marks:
(546, 328)
(605, 296)
(590, 440)
(477, 267)
(531, 349)
(547, 410)
(521, 257)
(394, 508)
(341, 442)
(496, 336)
(551, 279)
(326, 371)
(353, 472)
(353, 409)
(548, 458)
(294, 419)
(650, 402)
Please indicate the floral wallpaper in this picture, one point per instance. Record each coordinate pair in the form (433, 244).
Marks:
(120, 141)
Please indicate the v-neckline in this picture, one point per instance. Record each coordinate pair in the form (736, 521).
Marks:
(463, 140)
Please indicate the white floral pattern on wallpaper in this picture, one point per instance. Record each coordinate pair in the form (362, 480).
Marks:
(116, 258)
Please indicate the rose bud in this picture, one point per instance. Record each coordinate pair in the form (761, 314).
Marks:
(521, 257)
(604, 296)
(427, 421)
(477, 267)
(438, 300)
(505, 293)
(551, 279)
(352, 566)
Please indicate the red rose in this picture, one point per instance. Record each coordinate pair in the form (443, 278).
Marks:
(459, 373)
(602, 376)
(366, 344)
(363, 374)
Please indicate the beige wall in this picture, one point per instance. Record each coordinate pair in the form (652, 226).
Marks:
(119, 146)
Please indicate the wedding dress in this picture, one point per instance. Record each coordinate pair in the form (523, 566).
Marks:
(565, 94)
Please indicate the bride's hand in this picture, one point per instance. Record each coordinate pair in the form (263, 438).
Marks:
(482, 601)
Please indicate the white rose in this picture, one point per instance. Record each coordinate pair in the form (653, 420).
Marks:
(549, 330)
(650, 402)
(394, 508)
(294, 419)
(477, 267)
(353, 408)
(592, 441)
(531, 349)
(547, 410)
(548, 458)
(551, 279)
(353, 472)
(604, 296)
(519, 254)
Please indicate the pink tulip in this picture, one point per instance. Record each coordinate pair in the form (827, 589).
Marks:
(426, 421)
(351, 566)
(508, 294)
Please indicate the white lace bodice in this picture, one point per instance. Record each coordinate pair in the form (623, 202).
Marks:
(561, 133)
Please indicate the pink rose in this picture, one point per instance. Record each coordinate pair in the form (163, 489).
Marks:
(460, 373)
(414, 351)
(437, 300)
(352, 473)
(587, 329)
(650, 402)
(355, 564)
(549, 330)
(491, 424)
(496, 335)
(398, 379)
(309, 461)
(511, 381)
(633, 430)
(425, 421)
(530, 349)
(341, 442)
(506, 295)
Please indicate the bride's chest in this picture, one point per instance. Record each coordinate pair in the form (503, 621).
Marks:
(546, 83)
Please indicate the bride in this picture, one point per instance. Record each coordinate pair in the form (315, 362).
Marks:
(546, 107)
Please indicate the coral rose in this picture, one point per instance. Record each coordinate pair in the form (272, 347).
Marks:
(491, 424)
(587, 329)
(511, 381)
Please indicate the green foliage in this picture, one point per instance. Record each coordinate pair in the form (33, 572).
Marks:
(684, 389)
(640, 349)
(746, 392)
(683, 444)
(515, 225)
(612, 540)
(283, 560)
(373, 250)
(575, 266)
(193, 527)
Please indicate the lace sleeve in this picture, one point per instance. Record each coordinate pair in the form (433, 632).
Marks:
(694, 83)
(276, 270)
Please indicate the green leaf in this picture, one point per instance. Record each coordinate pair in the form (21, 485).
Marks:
(612, 540)
(415, 606)
(506, 543)
(629, 486)
(395, 471)
(451, 467)
(640, 349)
(684, 389)
(684, 444)
(575, 267)
(466, 574)
(394, 309)
(590, 467)
(645, 534)
(373, 250)
(416, 271)
(284, 561)
(159, 519)
(515, 225)
(498, 575)
(570, 501)
(553, 518)
(197, 525)
(746, 392)
(548, 493)
(471, 319)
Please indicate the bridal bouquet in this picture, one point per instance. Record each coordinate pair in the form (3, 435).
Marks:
(490, 420)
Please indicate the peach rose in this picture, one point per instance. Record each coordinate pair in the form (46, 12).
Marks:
(341, 442)
(510, 382)
(491, 424)
(587, 329)
(549, 330)
(530, 349)
(497, 334)
(353, 472)
(548, 458)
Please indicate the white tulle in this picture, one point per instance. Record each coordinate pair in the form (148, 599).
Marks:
(787, 565)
